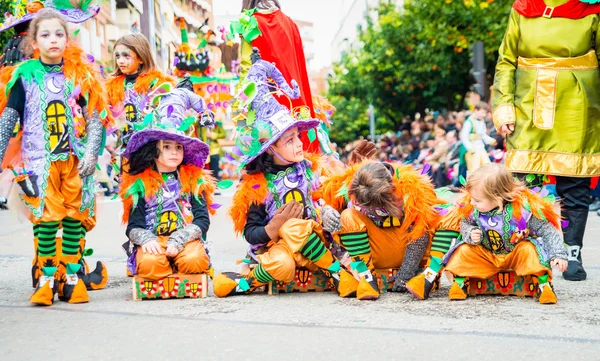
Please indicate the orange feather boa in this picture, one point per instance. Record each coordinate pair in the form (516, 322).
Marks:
(116, 85)
(252, 189)
(539, 207)
(415, 190)
(189, 176)
(81, 72)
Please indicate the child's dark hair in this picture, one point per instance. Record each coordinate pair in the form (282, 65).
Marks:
(143, 158)
(262, 164)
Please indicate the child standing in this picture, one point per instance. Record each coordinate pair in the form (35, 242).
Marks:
(167, 194)
(474, 138)
(59, 152)
(135, 77)
(506, 227)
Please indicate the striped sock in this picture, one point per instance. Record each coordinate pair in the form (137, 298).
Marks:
(356, 243)
(71, 236)
(46, 235)
(262, 275)
(442, 241)
(313, 249)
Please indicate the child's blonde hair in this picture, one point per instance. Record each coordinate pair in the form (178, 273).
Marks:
(495, 181)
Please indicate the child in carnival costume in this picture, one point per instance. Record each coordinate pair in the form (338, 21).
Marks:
(23, 11)
(276, 206)
(59, 153)
(131, 86)
(166, 192)
(505, 227)
(17, 50)
(387, 219)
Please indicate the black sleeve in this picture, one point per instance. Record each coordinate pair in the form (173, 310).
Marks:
(16, 98)
(200, 211)
(137, 219)
(81, 101)
(254, 230)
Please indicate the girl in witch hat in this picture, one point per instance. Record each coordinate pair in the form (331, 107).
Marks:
(167, 195)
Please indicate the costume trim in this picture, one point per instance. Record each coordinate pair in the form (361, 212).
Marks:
(115, 86)
(80, 72)
(573, 9)
(194, 180)
(526, 199)
(413, 188)
(5, 76)
(552, 163)
(253, 189)
(504, 114)
(547, 70)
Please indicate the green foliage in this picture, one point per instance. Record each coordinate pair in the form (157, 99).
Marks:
(412, 59)
(4, 36)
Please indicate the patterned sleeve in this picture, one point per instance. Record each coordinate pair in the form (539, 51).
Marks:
(551, 238)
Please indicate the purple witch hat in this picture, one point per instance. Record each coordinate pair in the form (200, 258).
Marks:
(23, 11)
(168, 121)
(268, 119)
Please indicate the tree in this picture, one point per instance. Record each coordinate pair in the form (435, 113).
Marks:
(4, 36)
(415, 58)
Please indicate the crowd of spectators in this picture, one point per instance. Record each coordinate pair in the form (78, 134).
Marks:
(432, 143)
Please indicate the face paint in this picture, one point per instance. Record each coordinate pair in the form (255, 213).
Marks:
(126, 60)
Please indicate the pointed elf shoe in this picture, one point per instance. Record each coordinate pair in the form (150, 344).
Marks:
(459, 289)
(71, 288)
(97, 279)
(423, 284)
(368, 286)
(234, 284)
(348, 285)
(44, 292)
(547, 295)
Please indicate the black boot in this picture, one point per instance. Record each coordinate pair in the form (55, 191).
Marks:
(574, 239)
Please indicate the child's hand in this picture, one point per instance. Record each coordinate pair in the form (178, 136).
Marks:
(152, 247)
(172, 251)
(476, 236)
(559, 263)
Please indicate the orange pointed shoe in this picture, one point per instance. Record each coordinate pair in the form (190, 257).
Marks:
(71, 288)
(44, 292)
(348, 285)
(234, 284)
(368, 290)
(457, 292)
(547, 295)
(97, 279)
(416, 286)
(423, 284)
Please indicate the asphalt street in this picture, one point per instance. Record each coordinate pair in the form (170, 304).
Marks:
(283, 327)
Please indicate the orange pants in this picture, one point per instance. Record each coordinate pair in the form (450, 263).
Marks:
(191, 260)
(388, 244)
(63, 192)
(478, 262)
(282, 256)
